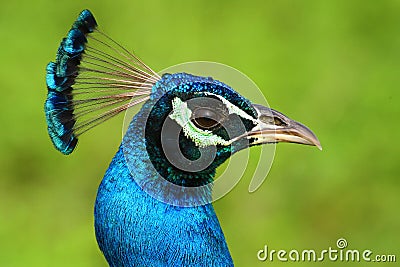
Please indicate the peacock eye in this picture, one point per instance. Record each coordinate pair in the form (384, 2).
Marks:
(206, 119)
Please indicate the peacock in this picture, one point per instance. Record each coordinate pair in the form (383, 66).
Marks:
(153, 206)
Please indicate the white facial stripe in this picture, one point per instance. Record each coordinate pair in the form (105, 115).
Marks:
(232, 109)
(202, 138)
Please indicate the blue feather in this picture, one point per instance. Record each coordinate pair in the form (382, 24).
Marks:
(55, 82)
(85, 22)
(60, 120)
(60, 76)
(75, 42)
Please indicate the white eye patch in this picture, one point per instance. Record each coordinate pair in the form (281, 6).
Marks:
(232, 109)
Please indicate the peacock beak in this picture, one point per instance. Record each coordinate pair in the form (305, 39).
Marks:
(274, 127)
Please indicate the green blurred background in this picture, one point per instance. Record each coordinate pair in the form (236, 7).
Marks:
(333, 65)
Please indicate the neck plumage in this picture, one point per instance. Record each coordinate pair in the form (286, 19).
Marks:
(134, 228)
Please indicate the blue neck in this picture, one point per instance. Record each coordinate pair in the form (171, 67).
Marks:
(135, 229)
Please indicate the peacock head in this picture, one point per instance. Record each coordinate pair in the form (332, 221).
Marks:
(192, 124)
(195, 123)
